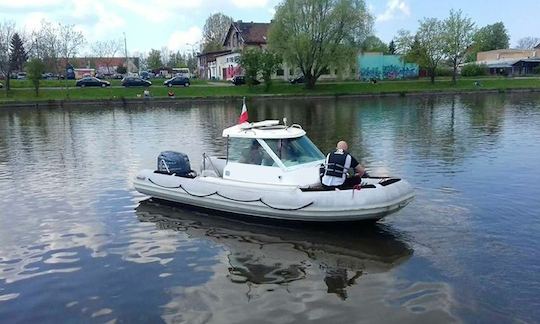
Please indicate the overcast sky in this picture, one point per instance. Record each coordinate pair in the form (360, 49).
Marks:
(175, 23)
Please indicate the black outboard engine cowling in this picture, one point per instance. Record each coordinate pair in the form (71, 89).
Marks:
(173, 162)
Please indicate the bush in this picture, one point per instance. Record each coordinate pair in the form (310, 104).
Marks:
(471, 70)
(536, 70)
(443, 71)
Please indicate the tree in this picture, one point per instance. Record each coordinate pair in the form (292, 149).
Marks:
(250, 62)
(403, 42)
(45, 45)
(316, 35)
(18, 55)
(269, 63)
(35, 69)
(392, 47)
(214, 31)
(431, 44)
(374, 44)
(154, 59)
(528, 42)
(458, 32)
(487, 38)
(106, 51)
(7, 30)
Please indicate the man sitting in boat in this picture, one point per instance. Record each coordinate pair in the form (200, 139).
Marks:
(337, 166)
(252, 155)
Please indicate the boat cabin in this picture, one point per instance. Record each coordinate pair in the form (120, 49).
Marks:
(269, 153)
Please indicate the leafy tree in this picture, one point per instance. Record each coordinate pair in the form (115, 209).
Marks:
(18, 55)
(250, 62)
(431, 44)
(269, 63)
(106, 50)
(7, 30)
(316, 35)
(458, 31)
(214, 31)
(403, 42)
(392, 47)
(528, 42)
(154, 59)
(492, 37)
(374, 44)
(35, 68)
(487, 38)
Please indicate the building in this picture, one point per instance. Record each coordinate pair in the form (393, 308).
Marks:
(510, 61)
(105, 65)
(242, 35)
(206, 64)
(378, 66)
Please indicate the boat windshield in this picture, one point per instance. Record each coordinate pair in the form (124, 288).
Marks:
(294, 151)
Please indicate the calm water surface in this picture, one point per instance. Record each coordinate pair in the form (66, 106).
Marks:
(78, 244)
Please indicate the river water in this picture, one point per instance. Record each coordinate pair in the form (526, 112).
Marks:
(78, 244)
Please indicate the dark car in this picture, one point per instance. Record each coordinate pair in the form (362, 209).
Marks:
(92, 82)
(178, 80)
(135, 82)
(240, 79)
(299, 79)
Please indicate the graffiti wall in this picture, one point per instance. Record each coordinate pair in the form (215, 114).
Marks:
(385, 67)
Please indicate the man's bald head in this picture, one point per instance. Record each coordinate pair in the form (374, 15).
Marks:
(342, 145)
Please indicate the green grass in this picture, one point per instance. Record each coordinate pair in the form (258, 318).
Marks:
(19, 93)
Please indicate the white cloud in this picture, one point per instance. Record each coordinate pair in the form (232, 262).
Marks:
(29, 4)
(182, 40)
(171, 9)
(393, 8)
(250, 3)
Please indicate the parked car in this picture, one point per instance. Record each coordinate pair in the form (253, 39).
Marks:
(146, 75)
(298, 79)
(135, 82)
(48, 76)
(240, 79)
(92, 82)
(21, 75)
(1, 85)
(177, 81)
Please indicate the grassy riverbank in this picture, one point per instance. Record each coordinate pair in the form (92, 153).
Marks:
(201, 89)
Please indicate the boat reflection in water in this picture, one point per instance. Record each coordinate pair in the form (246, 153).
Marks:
(279, 253)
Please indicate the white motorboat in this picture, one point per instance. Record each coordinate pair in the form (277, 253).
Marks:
(270, 170)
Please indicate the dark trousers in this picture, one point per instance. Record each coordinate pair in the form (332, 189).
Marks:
(349, 183)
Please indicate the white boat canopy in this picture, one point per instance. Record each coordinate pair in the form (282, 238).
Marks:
(268, 129)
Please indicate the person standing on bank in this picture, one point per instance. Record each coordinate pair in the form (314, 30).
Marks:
(337, 166)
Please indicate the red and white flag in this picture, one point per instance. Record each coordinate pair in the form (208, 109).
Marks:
(244, 115)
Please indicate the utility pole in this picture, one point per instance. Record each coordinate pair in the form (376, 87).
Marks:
(125, 52)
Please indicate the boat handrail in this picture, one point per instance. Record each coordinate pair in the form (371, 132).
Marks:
(296, 126)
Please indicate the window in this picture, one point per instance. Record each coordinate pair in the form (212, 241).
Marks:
(294, 151)
(325, 71)
(280, 72)
(248, 151)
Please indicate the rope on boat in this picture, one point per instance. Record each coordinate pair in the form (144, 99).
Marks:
(233, 199)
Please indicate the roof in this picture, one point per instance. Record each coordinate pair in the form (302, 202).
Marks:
(268, 129)
(507, 63)
(251, 33)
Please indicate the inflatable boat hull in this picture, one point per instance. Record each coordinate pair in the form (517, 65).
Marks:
(377, 198)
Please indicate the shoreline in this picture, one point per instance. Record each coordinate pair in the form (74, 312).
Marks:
(59, 103)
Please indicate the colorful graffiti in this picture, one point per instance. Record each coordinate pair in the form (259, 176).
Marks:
(385, 67)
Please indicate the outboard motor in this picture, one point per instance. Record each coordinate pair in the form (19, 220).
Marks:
(174, 162)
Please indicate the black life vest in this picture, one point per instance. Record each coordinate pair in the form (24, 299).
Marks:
(335, 164)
